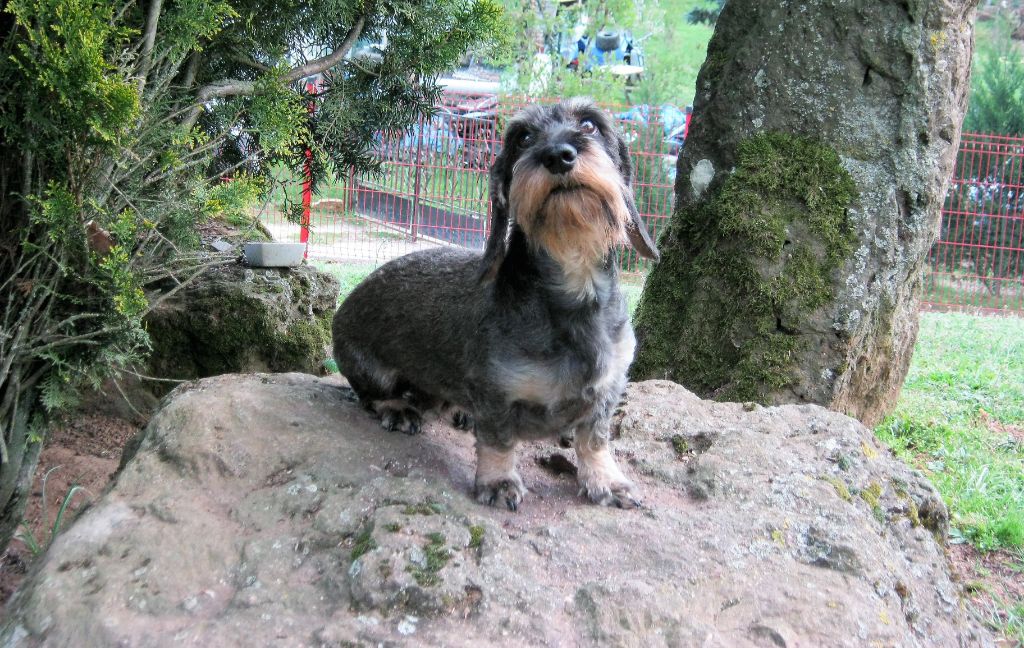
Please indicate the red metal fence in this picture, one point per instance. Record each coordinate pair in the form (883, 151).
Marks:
(977, 262)
(434, 191)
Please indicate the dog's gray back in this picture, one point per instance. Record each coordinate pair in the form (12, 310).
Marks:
(414, 315)
(518, 338)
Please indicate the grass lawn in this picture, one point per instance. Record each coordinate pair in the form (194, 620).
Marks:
(348, 274)
(674, 55)
(960, 420)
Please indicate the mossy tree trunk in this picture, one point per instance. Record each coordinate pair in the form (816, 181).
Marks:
(807, 197)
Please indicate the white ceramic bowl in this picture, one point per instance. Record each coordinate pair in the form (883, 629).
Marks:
(274, 255)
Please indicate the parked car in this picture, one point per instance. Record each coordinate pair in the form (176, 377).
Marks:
(475, 121)
(675, 125)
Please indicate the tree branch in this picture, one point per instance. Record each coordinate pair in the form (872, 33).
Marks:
(235, 87)
(148, 40)
(317, 66)
(225, 88)
(191, 68)
(245, 60)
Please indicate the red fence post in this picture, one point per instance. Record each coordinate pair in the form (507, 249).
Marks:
(975, 264)
(307, 200)
(307, 185)
(414, 218)
(351, 197)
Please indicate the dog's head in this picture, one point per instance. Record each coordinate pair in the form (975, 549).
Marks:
(564, 178)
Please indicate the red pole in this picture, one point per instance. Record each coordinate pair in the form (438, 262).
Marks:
(414, 217)
(307, 198)
(307, 187)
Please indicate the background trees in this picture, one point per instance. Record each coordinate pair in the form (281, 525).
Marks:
(673, 49)
(116, 121)
(706, 12)
(997, 81)
(997, 86)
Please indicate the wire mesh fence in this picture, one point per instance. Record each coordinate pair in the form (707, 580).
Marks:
(434, 192)
(434, 186)
(977, 262)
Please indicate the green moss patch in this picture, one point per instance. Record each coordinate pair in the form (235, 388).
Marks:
(429, 507)
(476, 536)
(744, 269)
(841, 490)
(680, 444)
(363, 543)
(437, 556)
(872, 494)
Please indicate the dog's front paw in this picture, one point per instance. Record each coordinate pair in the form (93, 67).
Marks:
(399, 419)
(622, 494)
(599, 476)
(508, 490)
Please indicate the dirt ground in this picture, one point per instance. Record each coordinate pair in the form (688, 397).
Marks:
(991, 581)
(85, 450)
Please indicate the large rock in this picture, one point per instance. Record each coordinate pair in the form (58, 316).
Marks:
(272, 510)
(240, 319)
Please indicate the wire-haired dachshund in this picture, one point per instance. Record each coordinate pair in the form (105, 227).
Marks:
(532, 338)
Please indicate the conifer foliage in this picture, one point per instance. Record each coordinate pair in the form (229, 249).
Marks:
(117, 122)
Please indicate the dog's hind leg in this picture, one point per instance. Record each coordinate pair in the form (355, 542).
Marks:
(460, 418)
(382, 392)
(405, 413)
(599, 477)
(397, 415)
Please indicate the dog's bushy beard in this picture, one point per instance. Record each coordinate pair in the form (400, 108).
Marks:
(577, 218)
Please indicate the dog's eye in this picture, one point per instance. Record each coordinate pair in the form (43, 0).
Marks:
(588, 127)
(525, 140)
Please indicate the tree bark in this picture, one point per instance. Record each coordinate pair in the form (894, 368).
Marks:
(17, 473)
(807, 198)
(148, 41)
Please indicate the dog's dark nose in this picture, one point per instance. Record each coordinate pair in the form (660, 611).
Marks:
(559, 158)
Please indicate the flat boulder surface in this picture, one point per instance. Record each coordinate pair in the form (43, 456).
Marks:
(273, 510)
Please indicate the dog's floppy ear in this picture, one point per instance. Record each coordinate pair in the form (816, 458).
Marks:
(497, 242)
(637, 232)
